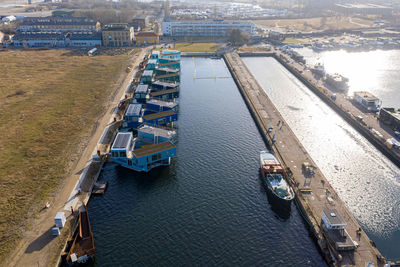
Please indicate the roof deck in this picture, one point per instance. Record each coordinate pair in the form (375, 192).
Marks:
(152, 149)
(333, 218)
(134, 110)
(164, 92)
(157, 131)
(162, 103)
(122, 141)
(147, 73)
(159, 115)
(366, 95)
(142, 88)
(152, 61)
(166, 84)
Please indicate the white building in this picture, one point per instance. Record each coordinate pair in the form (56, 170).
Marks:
(204, 28)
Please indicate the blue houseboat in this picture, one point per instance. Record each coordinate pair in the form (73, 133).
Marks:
(159, 85)
(142, 93)
(147, 77)
(151, 64)
(170, 54)
(164, 118)
(133, 116)
(167, 75)
(138, 155)
(169, 63)
(156, 105)
(165, 94)
(155, 55)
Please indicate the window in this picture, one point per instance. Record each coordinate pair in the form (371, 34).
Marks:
(122, 154)
(129, 162)
(155, 157)
(114, 154)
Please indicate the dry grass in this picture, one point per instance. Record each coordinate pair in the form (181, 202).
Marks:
(47, 103)
(313, 24)
(196, 47)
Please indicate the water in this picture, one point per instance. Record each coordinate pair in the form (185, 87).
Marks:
(365, 180)
(375, 71)
(209, 207)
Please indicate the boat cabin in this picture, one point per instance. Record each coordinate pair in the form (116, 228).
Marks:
(334, 226)
(147, 77)
(159, 85)
(151, 64)
(164, 118)
(140, 154)
(133, 116)
(165, 94)
(156, 105)
(367, 101)
(142, 93)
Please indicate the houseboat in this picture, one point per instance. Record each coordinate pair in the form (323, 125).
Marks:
(367, 100)
(337, 82)
(165, 94)
(164, 118)
(147, 77)
(141, 154)
(156, 135)
(274, 177)
(142, 93)
(151, 64)
(156, 105)
(170, 54)
(318, 70)
(133, 117)
(165, 74)
(155, 55)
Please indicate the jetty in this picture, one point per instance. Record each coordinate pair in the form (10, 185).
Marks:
(316, 199)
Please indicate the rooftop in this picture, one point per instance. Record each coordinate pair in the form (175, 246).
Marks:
(116, 27)
(40, 35)
(162, 103)
(147, 73)
(333, 216)
(157, 131)
(142, 88)
(366, 95)
(146, 34)
(152, 61)
(122, 141)
(152, 149)
(164, 92)
(166, 84)
(134, 110)
(159, 115)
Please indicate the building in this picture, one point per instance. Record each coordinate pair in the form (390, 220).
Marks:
(215, 28)
(139, 23)
(367, 101)
(391, 117)
(147, 38)
(57, 39)
(118, 35)
(58, 23)
(363, 9)
(334, 227)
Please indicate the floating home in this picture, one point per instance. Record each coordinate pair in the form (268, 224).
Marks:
(151, 64)
(156, 135)
(155, 55)
(169, 63)
(164, 118)
(139, 155)
(167, 74)
(334, 227)
(133, 116)
(147, 77)
(165, 94)
(367, 101)
(156, 105)
(170, 54)
(159, 85)
(142, 93)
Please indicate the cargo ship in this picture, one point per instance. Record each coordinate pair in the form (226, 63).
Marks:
(274, 177)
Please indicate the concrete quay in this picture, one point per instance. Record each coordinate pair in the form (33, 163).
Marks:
(313, 193)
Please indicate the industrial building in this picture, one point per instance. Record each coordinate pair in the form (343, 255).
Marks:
(118, 35)
(65, 23)
(204, 28)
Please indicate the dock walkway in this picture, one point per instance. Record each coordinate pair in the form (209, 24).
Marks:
(313, 194)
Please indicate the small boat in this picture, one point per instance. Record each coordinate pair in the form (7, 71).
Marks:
(274, 177)
(318, 70)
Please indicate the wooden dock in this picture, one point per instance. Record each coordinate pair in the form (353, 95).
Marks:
(313, 192)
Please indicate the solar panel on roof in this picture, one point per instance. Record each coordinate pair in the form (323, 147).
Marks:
(122, 140)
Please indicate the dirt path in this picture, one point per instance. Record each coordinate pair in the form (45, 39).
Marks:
(38, 247)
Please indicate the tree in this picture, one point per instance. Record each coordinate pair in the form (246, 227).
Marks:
(237, 38)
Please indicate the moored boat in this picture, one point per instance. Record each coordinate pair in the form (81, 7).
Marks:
(337, 82)
(274, 177)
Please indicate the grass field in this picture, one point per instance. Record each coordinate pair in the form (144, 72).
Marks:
(48, 103)
(196, 47)
(319, 23)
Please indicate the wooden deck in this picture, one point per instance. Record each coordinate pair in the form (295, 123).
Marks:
(151, 149)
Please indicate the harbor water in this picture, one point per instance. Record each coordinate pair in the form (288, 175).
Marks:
(364, 179)
(209, 208)
(376, 71)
